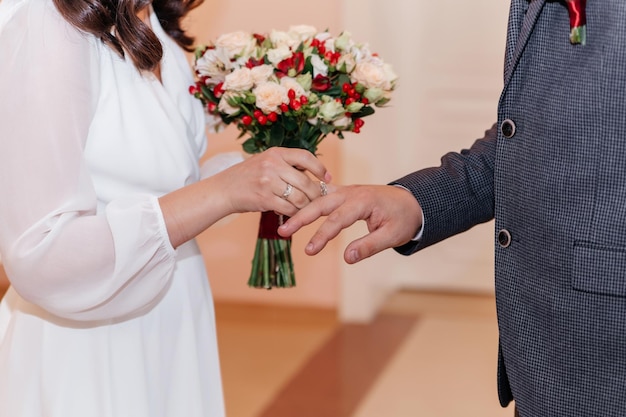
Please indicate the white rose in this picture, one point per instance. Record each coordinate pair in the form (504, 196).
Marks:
(289, 83)
(319, 66)
(284, 39)
(236, 43)
(302, 32)
(226, 105)
(276, 55)
(261, 73)
(373, 74)
(269, 96)
(331, 110)
(239, 80)
(214, 64)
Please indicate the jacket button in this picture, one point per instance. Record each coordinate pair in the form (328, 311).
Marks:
(504, 238)
(507, 128)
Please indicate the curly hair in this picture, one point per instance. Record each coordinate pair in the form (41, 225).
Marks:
(115, 23)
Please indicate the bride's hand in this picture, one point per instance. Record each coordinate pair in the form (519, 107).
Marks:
(274, 180)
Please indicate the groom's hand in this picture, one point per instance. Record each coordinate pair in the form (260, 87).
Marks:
(392, 214)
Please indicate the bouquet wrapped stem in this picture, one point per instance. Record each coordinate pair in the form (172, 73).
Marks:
(272, 265)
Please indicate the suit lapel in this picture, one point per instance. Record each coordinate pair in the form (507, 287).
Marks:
(526, 11)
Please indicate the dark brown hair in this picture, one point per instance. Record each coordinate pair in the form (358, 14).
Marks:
(115, 22)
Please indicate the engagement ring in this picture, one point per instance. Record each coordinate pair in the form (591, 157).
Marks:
(287, 191)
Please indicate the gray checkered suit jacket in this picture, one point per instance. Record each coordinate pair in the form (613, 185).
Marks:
(557, 190)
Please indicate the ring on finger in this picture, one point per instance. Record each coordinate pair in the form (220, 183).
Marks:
(287, 191)
(323, 188)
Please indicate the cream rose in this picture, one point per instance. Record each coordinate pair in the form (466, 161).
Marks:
(239, 80)
(302, 32)
(269, 96)
(374, 74)
(261, 73)
(236, 43)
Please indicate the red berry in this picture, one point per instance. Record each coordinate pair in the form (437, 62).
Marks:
(212, 107)
(246, 120)
(365, 101)
(272, 117)
(291, 94)
(303, 99)
(284, 108)
(356, 130)
(262, 120)
(349, 101)
(346, 87)
(257, 113)
(295, 104)
(358, 123)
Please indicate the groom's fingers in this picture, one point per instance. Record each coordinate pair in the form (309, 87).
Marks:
(368, 245)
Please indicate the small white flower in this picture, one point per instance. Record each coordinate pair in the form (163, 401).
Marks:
(284, 39)
(225, 105)
(342, 123)
(331, 110)
(346, 63)
(319, 66)
(214, 64)
(344, 42)
(276, 55)
(269, 96)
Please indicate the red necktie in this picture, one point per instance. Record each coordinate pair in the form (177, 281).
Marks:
(577, 21)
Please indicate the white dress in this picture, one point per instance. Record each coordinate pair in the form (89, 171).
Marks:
(103, 318)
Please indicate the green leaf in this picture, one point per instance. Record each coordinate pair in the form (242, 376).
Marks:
(277, 135)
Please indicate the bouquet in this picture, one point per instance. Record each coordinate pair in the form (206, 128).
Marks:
(292, 89)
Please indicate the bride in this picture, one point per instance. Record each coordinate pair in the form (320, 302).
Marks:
(109, 313)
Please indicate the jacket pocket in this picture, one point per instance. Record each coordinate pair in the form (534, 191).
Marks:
(599, 269)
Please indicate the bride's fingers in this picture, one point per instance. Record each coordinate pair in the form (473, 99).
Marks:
(306, 161)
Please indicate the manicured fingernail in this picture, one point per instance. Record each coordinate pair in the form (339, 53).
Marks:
(328, 177)
(353, 255)
(309, 247)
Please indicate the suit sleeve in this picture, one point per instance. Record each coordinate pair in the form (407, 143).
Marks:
(455, 196)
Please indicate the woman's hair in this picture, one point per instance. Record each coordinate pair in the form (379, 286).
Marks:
(115, 22)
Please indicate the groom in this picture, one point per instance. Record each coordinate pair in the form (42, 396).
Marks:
(552, 172)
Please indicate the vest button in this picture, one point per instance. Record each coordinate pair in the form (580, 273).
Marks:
(504, 238)
(507, 128)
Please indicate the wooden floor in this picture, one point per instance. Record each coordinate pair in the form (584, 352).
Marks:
(426, 354)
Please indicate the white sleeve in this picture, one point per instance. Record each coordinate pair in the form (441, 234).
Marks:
(59, 253)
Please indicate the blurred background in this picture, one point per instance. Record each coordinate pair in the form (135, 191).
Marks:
(391, 336)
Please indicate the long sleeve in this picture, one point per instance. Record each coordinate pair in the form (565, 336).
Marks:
(60, 252)
(456, 195)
